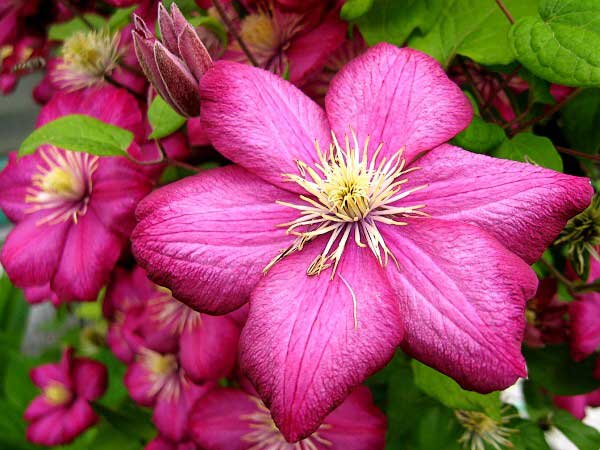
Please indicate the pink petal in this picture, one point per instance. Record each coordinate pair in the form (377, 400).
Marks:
(39, 407)
(301, 346)
(139, 384)
(260, 121)
(89, 378)
(400, 97)
(208, 237)
(462, 297)
(209, 350)
(15, 178)
(309, 53)
(86, 263)
(217, 421)
(63, 425)
(357, 424)
(196, 133)
(171, 412)
(522, 205)
(584, 314)
(575, 404)
(33, 268)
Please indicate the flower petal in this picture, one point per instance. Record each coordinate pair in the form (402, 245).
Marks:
(15, 178)
(139, 383)
(522, 205)
(584, 325)
(209, 350)
(260, 121)
(462, 296)
(309, 341)
(39, 407)
(397, 96)
(89, 378)
(208, 237)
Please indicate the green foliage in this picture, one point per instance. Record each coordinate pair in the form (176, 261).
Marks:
(529, 436)
(580, 434)
(353, 9)
(480, 136)
(580, 119)
(61, 31)
(527, 147)
(552, 368)
(80, 133)
(163, 119)
(448, 392)
(561, 44)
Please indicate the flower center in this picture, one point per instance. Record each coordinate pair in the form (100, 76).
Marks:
(62, 186)
(266, 436)
(349, 193)
(161, 364)
(174, 315)
(87, 58)
(481, 429)
(164, 375)
(258, 31)
(57, 394)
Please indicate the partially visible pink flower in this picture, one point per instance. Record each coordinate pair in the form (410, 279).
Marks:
(577, 404)
(157, 380)
(393, 235)
(546, 316)
(63, 410)
(560, 92)
(584, 319)
(162, 443)
(231, 419)
(12, 15)
(288, 42)
(19, 59)
(58, 199)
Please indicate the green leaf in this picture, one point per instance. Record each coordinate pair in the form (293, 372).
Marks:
(580, 119)
(353, 9)
(447, 430)
(120, 18)
(211, 23)
(552, 368)
(527, 147)
(480, 136)
(580, 434)
(393, 21)
(61, 31)
(538, 88)
(80, 133)
(529, 436)
(163, 119)
(14, 311)
(127, 419)
(561, 44)
(474, 28)
(449, 393)
(18, 388)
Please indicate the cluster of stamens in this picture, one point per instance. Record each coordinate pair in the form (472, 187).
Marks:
(62, 185)
(87, 58)
(176, 316)
(266, 436)
(482, 430)
(57, 394)
(164, 375)
(349, 194)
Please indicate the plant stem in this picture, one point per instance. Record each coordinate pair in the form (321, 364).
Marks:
(234, 32)
(500, 88)
(183, 165)
(505, 11)
(73, 10)
(559, 276)
(569, 151)
(548, 112)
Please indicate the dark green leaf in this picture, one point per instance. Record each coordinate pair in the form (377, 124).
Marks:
(552, 368)
(527, 147)
(14, 311)
(80, 133)
(120, 18)
(61, 31)
(474, 28)
(529, 436)
(163, 119)
(561, 43)
(580, 434)
(127, 419)
(480, 136)
(438, 429)
(18, 388)
(353, 9)
(538, 88)
(581, 118)
(449, 393)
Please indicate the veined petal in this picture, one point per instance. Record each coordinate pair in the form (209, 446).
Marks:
(397, 96)
(208, 237)
(522, 205)
(309, 340)
(260, 121)
(462, 297)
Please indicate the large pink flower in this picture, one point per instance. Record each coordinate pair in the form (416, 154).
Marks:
(63, 411)
(230, 419)
(73, 211)
(405, 237)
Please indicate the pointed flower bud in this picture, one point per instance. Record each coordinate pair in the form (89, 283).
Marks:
(175, 65)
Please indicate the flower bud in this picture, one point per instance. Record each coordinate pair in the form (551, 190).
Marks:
(175, 65)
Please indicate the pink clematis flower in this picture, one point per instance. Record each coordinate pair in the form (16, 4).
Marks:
(58, 199)
(577, 404)
(162, 443)
(283, 41)
(63, 411)
(583, 319)
(157, 380)
(392, 234)
(231, 419)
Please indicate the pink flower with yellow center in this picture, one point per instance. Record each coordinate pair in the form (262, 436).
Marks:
(73, 212)
(63, 411)
(231, 419)
(355, 229)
